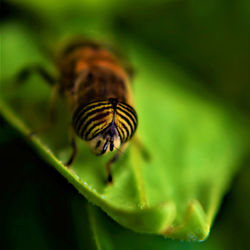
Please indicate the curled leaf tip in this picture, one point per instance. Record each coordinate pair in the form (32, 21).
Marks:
(194, 226)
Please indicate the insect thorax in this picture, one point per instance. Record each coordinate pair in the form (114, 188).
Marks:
(92, 73)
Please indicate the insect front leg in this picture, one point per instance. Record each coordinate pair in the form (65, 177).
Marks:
(25, 73)
(52, 112)
(112, 161)
(73, 145)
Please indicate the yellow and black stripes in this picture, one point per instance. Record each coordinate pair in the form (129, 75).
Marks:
(95, 117)
(125, 120)
(90, 120)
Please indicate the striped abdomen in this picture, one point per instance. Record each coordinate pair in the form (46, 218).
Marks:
(99, 116)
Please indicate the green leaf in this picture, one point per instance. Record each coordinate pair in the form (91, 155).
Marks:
(110, 235)
(196, 145)
(43, 210)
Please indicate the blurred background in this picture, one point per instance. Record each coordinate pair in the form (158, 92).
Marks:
(207, 40)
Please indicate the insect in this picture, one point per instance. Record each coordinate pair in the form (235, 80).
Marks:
(97, 89)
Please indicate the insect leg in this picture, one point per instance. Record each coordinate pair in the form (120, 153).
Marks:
(112, 161)
(143, 149)
(73, 145)
(35, 69)
(52, 112)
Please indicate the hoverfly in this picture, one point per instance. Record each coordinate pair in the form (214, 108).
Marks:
(97, 89)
